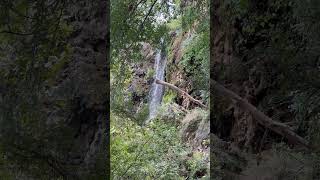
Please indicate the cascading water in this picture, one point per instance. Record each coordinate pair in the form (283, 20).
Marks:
(157, 90)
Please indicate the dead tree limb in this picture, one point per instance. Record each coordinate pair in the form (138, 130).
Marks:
(181, 92)
(279, 128)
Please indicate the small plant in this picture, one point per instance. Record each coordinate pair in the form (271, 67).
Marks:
(174, 24)
(142, 114)
(196, 164)
(169, 97)
(150, 73)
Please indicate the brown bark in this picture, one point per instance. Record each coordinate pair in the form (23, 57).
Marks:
(279, 128)
(180, 91)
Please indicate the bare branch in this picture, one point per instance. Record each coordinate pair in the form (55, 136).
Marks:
(148, 14)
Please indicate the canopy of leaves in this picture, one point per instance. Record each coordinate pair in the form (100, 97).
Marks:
(133, 23)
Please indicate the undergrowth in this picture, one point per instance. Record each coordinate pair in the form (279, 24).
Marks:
(154, 151)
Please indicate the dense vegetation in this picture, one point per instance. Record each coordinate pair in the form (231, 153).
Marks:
(157, 150)
(53, 100)
(268, 53)
(24, 50)
(153, 152)
(40, 124)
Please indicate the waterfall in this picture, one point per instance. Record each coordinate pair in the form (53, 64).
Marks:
(157, 90)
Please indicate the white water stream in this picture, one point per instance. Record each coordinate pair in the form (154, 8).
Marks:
(157, 90)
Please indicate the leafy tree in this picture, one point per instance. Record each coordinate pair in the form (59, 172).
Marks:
(153, 151)
(132, 23)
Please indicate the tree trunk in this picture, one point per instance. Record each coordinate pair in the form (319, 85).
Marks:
(262, 119)
(181, 92)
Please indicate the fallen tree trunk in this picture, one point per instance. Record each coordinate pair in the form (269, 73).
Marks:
(180, 91)
(262, 119)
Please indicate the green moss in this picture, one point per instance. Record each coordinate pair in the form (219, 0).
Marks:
(150, 73)
(169, 96)
(61, 103)
(53, 71)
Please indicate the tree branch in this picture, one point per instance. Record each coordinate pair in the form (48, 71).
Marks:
(149, 12)
(181, 92)
(16, 33)
(279, 128)
(136, 6)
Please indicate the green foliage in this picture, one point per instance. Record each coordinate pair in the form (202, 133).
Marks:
(150, 73)
(130, 25)
(142, 114)
(195, 60)
(306, 107)
(188, 18)
(198, 11)
(174, 24)
(33, 35)
(169, 97)
(195, 49)
(152, 152)
(196, 163)
(58, 66)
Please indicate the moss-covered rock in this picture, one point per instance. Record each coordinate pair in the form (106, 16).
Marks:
(195, 127)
